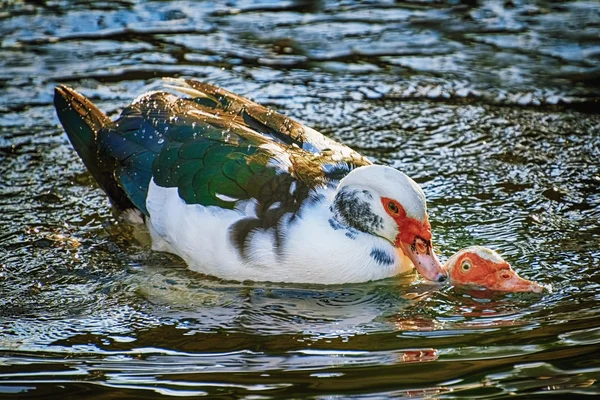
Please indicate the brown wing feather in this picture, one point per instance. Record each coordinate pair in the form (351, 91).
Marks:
(267, 121)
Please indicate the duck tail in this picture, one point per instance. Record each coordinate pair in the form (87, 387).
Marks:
(82, 121)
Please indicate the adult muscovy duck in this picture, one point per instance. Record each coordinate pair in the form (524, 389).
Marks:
(244, 193)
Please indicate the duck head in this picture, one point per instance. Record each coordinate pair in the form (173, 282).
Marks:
(384, 202)
(481, 266)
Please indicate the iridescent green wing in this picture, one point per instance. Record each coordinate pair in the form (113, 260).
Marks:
(210, 158)
(129, 146)
(214, 160)
(214, 157)
(265, 121)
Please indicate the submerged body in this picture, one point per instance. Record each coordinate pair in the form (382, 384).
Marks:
(243, 193)
(485, 268)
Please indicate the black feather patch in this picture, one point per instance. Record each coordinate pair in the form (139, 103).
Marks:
(353, 207)
(274, 201)
(336, 225)
(381, 256)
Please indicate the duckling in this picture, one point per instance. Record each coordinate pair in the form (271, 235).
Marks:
(477, 265)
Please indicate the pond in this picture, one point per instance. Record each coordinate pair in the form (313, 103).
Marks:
(492, 107)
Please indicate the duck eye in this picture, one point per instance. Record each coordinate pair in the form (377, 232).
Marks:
(393, 207)
(421, 246)
(466, 265)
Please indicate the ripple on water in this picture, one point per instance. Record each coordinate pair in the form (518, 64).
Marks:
(490, 106)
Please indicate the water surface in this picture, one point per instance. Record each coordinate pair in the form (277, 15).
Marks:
(493, 107)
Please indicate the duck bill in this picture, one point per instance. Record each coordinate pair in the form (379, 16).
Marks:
(514, 283)
(426, 262)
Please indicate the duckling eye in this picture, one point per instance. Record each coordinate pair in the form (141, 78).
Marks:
(466, 266)
(393, 207)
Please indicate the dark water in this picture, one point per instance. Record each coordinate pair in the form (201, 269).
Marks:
(493, 107)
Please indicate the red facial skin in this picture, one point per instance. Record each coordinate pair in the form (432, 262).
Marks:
(471, 269)
(414, 239)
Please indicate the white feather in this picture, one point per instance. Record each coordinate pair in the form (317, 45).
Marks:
(311, 250)
(391, 183)
(224, 197)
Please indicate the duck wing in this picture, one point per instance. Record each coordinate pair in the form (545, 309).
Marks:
(217, 158)
(213, 158)
(261, 119)
(216, 148)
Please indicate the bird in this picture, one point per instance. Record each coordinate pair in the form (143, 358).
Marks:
(483, 267)
(244, 193)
